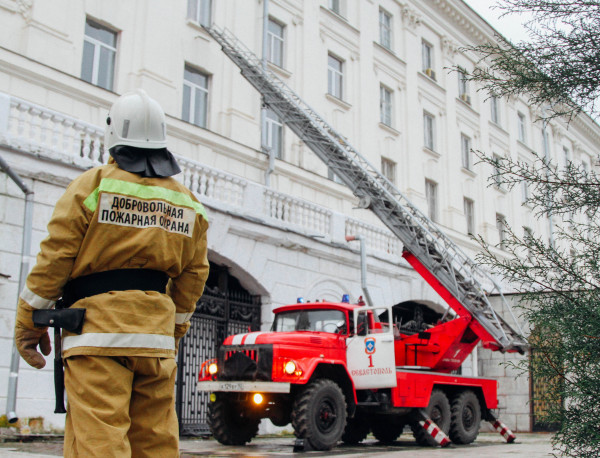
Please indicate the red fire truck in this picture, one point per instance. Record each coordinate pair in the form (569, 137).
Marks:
(337, 371)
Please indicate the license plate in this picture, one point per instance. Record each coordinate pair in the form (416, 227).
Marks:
(232, 386)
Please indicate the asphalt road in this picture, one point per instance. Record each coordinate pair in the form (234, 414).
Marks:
(487, 445)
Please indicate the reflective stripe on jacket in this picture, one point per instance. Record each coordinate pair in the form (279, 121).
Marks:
(112, 219)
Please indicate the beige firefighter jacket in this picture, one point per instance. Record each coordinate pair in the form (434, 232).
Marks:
(112, 219)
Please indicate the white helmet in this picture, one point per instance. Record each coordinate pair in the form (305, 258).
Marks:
(136, 120)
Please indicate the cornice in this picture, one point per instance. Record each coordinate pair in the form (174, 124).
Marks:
(392, 66)
(23, 7)
(587, 125)
(464, 19)
(292, 7)
(337, 19)
(40, 74)
(326, 30)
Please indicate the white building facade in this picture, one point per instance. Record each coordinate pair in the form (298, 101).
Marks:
(376, 70)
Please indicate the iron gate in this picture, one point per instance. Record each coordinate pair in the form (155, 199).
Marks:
(541, 402)
(226, 308)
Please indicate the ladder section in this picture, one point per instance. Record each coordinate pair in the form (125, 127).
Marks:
(420, 236)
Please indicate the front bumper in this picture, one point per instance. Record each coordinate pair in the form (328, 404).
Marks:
(244, 386)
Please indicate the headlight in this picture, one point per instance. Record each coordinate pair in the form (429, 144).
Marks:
(289, 367)
(212, 368)
(257, 398)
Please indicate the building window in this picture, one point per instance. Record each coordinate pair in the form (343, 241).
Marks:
(273, 133)
(195, 96)
(497, 176)
(332, 176)
(469, 208)
(336, 6)
(385, 29)
(524, 191)
(465, 147)
(429, 130)
(200, 11)
(427, 59)
(495, 114)
(568, 218)
(388, 169)
(431, 196)
(521, 127)
(385, 105)
(335, 76)
(501, 226)
(528, 239)
(463, 88)
(566, 156)
(545, 143)
(275, 43)
(99, 53)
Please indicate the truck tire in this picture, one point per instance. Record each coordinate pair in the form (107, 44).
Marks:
(229, 423)
(319, 414)
(356, 431)
(386, 428)
(465, 417)
(439, 411)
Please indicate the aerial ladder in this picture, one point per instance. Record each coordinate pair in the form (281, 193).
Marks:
(452, 273)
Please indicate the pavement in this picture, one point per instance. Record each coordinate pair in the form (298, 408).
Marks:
(487, 445)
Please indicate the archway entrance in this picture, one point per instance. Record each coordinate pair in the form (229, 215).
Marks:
(225, 308)
(412, 317)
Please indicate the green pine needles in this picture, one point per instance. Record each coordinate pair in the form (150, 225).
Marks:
(558, 277)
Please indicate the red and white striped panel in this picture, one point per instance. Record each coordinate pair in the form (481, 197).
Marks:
(246, 339)
(434, 431)
(504, 431)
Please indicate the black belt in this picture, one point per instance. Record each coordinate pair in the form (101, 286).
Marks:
(113, 280)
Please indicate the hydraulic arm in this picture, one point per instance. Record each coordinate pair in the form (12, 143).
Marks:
(426, 247)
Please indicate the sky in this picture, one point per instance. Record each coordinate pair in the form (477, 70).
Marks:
(510, 26)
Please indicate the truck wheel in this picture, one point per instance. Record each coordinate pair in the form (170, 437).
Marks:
(356, 431)
(439, 411)
(386, 429)
(319, 414)
(229, 423)
(465, 418)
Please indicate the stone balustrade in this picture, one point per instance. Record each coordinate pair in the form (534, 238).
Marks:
(33, 129)
(294, 212)
(29, 127)
(377, 239)
(212, 183)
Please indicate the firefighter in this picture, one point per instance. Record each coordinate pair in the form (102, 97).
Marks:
(127, 242)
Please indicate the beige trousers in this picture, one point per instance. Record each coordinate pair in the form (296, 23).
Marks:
(120, 407)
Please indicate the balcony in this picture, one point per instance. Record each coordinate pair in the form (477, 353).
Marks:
(49, 135)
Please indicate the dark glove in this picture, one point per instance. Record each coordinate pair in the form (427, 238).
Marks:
(27, 341)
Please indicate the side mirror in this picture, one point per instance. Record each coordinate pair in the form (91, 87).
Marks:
(361, 329)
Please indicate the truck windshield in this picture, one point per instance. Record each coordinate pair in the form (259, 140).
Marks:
(333, 321)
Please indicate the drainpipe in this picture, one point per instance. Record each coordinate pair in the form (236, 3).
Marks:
(363, 266)
(263, 113)
(11, 398)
